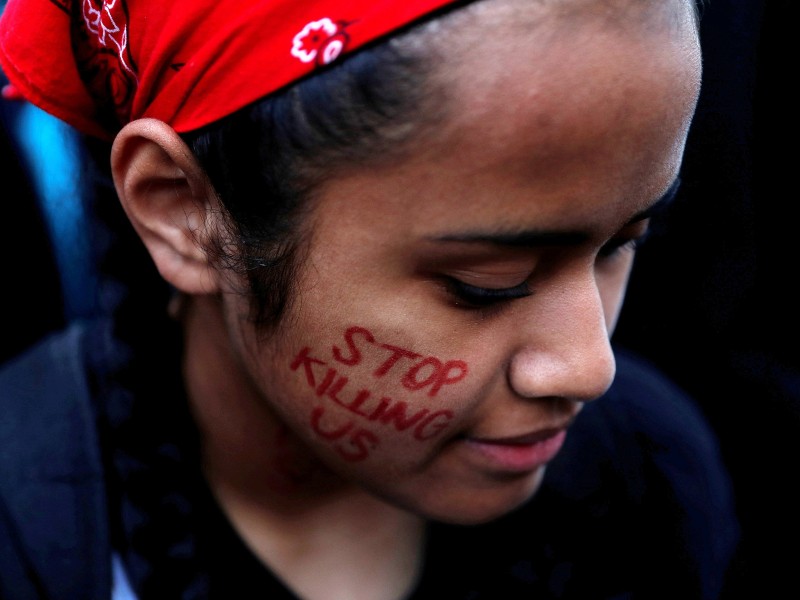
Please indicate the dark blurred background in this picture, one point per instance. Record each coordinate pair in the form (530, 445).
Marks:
(712, 301)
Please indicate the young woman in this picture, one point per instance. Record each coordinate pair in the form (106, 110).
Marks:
(398, 236)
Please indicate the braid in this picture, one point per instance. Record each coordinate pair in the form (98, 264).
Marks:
(149, 440)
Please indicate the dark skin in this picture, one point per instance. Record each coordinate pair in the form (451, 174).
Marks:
(528, 198)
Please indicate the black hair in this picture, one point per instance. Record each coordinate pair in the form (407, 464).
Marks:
(266, 160)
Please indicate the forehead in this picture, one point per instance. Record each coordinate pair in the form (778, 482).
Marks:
(571, 79)
(548, 114)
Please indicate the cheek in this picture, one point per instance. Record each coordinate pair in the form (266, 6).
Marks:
(365, 396)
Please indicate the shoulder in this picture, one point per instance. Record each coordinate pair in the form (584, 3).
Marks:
(643, 472)
(646, 426)
(44, 399)
(645, 415)
(52, 507)
(636, 506)
(659, 431)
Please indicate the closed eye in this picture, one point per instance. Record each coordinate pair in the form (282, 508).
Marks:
(479, 297)
(617, 246)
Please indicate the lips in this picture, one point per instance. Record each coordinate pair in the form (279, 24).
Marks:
(522, 453)
(522, 440)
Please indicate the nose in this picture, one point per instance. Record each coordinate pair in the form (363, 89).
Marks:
(565, 350)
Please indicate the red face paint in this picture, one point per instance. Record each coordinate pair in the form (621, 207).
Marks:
(397, 354)
(352, 442)
(349, 338)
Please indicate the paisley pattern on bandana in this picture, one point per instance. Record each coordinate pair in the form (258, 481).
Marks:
(99, 64)
(100, 44)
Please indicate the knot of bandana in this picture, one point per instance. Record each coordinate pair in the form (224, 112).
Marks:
(99, 64)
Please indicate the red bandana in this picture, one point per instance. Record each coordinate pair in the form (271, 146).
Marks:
(98, 64)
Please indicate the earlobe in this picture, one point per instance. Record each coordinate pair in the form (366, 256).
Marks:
(169, 201)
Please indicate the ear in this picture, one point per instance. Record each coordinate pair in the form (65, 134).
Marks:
(169, 201)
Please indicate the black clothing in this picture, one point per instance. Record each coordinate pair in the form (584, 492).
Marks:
(637, 504)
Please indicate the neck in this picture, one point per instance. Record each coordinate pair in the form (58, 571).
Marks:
(295, 514)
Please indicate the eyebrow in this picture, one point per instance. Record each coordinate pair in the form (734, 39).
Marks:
(531, 238)
(660, 205)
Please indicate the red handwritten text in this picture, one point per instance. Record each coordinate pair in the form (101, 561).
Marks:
(352, 441)
(429, 371)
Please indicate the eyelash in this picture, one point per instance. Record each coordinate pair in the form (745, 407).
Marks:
(617, 247)
(478, 297)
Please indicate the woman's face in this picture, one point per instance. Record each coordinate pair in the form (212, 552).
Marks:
(454, 311)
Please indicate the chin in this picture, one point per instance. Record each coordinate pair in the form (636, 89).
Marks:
(481, 505)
